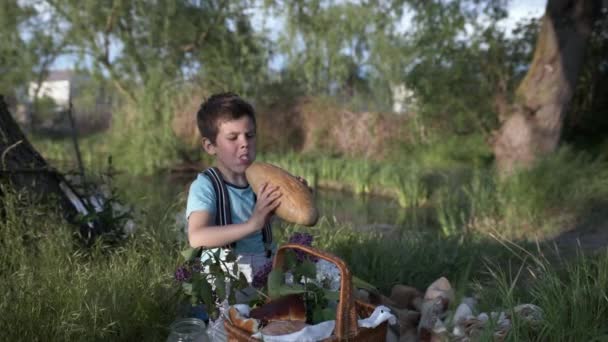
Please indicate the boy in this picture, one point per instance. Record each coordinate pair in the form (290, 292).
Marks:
(228, 129)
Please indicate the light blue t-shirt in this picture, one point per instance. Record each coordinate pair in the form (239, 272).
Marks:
(242, 201)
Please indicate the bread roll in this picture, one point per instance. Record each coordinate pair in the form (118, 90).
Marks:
(248, 324)
(288, 308)
(297, 204)
(282, 328)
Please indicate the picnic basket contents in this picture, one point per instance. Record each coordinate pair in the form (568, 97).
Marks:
(285, 316)
(297, 203)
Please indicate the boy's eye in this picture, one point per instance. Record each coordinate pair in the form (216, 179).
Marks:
(250, 135)
(232, 137)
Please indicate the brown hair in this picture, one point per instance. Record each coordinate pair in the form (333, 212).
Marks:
(222, 106)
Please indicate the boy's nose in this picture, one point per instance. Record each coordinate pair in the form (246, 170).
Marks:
(243, 142)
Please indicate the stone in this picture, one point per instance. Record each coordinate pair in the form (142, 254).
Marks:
(405, 296)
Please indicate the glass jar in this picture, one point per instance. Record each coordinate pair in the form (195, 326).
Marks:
(188, 330)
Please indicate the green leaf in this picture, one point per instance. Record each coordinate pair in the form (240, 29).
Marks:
(242, 282)
(235, 268)
(275, 280)
(215, 269)
(290, 260)
(190, 253)
(331, 295)
(230, 256)
(206, 293)
(362, 284)
(285, 289)
(187, 287)
(328, 314)
(317, 315)
(306, 269)
(220, 287)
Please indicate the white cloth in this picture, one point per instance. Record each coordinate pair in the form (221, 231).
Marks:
(323, 330)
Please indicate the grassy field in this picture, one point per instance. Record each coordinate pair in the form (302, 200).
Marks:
(55, 290)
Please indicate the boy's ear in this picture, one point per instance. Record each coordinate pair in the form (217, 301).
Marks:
(208, 146)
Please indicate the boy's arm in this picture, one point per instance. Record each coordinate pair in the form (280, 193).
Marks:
(203, 232)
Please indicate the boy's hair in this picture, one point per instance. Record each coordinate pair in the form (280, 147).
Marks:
(218, 107)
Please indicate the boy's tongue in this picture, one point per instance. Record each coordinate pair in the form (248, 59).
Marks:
(244, 159)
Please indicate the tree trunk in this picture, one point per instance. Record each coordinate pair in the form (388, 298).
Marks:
(24, 169)
(533, 127)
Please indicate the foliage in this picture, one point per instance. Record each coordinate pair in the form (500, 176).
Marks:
(335, 48)
(128, 292)
(204, 280)
(54, 290)
(466, 68)
(132, 41)
(586, 124)
(29, 46)
(570, 291)
(317, 281)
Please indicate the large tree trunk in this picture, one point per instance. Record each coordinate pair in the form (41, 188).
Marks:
(24, 169)
(533, 127)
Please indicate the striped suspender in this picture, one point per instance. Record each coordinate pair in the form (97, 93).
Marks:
(223, 215)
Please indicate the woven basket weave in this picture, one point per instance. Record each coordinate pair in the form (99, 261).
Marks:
(348, 308)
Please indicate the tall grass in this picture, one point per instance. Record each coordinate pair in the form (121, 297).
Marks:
(556, 194)
(53, 290)
(142, 138)
(572, 293)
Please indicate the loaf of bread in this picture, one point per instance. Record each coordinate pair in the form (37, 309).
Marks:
(297, 203)
(287, 308)
(278, 328)
(248, 324)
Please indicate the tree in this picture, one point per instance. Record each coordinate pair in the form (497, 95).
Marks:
(347, 49)
(134, 42)
(533, 126)
(22, 168)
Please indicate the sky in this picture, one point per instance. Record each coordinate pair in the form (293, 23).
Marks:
(518, 9)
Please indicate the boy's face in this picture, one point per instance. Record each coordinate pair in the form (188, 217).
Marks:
(234, 146)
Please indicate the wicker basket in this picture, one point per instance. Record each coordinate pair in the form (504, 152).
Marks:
(348, 309)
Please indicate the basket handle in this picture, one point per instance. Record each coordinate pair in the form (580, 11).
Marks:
(346, 316)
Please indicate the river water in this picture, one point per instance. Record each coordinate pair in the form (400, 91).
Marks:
(165, 195)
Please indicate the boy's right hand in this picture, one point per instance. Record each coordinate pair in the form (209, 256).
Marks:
(267, 202)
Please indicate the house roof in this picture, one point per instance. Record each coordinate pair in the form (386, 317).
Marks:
(60, 75)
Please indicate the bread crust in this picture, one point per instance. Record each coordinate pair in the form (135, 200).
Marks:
(297, 203)
(250, 325)
(287, 308)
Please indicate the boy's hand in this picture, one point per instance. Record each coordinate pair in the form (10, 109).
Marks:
(267, 202)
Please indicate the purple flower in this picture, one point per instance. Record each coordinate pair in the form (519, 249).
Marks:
(196, 265)
(302, 239)
(261, 275)
(182, 274)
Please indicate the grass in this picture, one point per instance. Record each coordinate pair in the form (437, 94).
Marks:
(536, 203)
(57, 289)
(54, 290)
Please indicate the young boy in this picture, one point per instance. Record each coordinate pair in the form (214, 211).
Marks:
(228, 128)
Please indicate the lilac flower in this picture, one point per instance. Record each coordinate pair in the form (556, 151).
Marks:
(302, 239)
(196, 265)
(182, 274)
(261, 275)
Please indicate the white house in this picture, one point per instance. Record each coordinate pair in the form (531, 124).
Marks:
(403, 98)
(59, 85)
